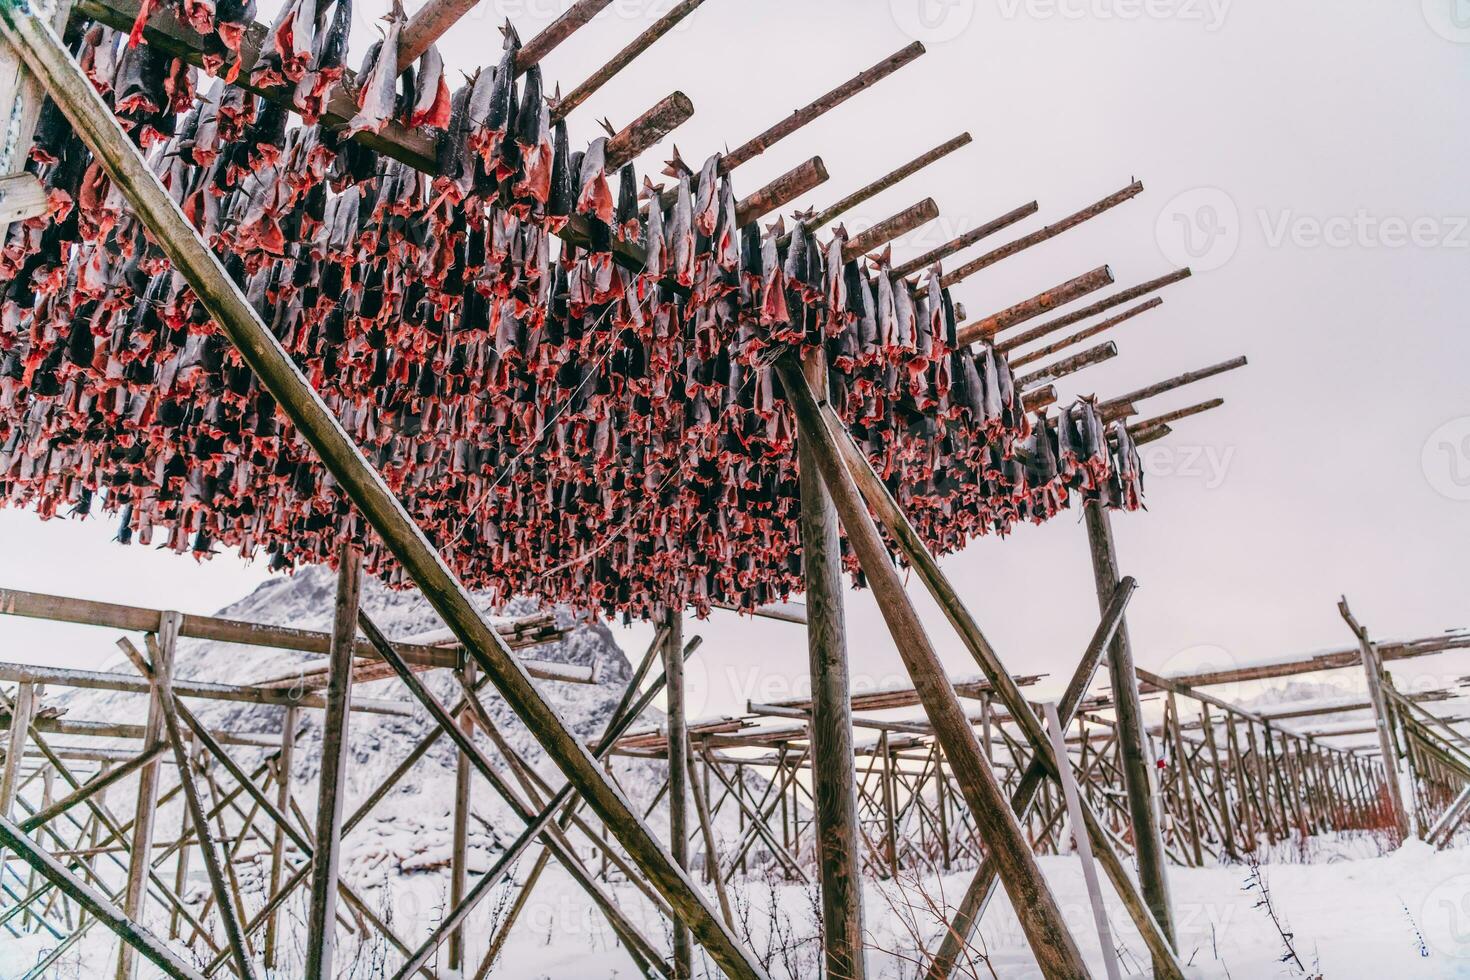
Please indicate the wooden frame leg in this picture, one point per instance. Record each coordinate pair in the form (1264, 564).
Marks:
(322, 913)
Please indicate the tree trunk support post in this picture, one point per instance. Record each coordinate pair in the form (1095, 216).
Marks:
(1051, 942)
(289, 721)
(1373, 671)
(322, 912)
(140, 860)
(678, 755)
(1132, 747)
(834, 772)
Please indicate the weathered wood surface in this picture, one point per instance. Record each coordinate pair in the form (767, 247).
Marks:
(1051, 942)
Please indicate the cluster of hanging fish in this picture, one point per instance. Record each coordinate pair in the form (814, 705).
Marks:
(559, 425)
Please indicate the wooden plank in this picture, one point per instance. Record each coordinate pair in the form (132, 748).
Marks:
(21, 197)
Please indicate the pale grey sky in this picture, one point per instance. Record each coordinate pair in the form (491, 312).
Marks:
(1310, 157)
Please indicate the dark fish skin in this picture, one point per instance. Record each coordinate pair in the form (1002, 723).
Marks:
(563, 195)
(497, 117)
(528, 119)
(451, 144)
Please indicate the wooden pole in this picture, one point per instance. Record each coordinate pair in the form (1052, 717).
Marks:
(623, 58)
(1181, 762)
(331, 790)
(135, 893)
(1148, 844)
(834, 776)
(154, 949)
(158, 674)
(1037, 237)
(1373, 672)
(757, 145)
(678, 757)
(1079, 838)
(262, 352)
(913, 548)
(1101, 306)
(289, 722)
(1041, 919)
(1057, 370)
(1019, 361)
(1124, 404)
(459, 868)
(1059, 295)
(890, 179)
(965, 240)
(890, 228)
(781, 191)
(707, 832)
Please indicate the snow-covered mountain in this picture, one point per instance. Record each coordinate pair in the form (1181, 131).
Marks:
(409, 829)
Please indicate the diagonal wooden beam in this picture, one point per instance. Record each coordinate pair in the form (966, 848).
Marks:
(1045, 234)
(261, 350)
(1021, 360)
(1101, 306)
(623, 58)
(96, 904)
(964, 241)
(1059, 295)
(1051, 942)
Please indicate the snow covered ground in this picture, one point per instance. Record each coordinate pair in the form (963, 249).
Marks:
(1400, 915)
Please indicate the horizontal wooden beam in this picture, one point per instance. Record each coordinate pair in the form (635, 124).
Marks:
(129, 684)
(137, 619)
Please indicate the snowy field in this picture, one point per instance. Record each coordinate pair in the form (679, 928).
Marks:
(1401, 915)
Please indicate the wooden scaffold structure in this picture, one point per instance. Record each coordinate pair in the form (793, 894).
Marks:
(839, 794)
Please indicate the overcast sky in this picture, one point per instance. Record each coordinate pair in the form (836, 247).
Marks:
(1308, 160)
